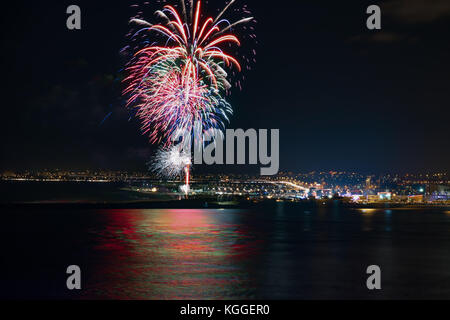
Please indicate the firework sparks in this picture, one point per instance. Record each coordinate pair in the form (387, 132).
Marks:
(171, 162)
(180, 78)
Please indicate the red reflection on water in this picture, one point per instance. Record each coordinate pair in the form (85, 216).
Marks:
(171, 254)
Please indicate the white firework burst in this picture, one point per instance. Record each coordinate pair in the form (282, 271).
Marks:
(170, 162)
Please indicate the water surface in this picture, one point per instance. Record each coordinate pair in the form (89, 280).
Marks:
(275, 251)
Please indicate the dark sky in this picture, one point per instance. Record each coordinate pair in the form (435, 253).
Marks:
(343, 97)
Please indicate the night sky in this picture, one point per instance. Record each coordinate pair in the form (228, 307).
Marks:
(343, 97)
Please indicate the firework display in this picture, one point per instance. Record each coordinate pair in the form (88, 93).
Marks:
(181, 76)
(170, 162)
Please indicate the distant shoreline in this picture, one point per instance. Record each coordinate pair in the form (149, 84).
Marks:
(211, 204)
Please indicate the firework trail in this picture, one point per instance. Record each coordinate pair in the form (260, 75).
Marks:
(180, 77)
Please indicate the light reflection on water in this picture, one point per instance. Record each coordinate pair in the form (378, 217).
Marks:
(172, 254)
(274, 251)
(282, 252)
